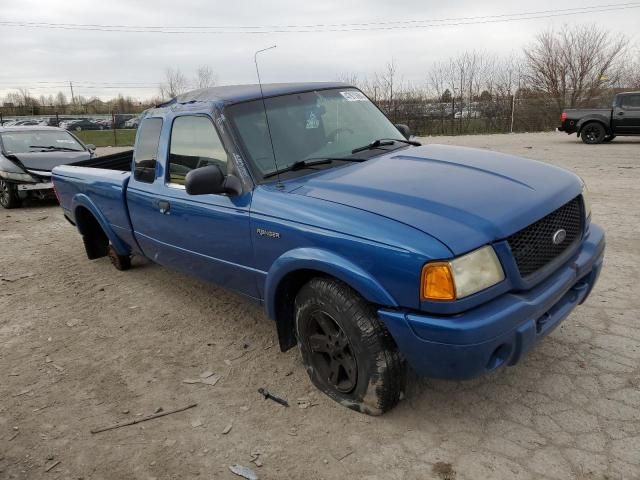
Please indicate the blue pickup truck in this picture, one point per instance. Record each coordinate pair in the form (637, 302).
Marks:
(372, 253)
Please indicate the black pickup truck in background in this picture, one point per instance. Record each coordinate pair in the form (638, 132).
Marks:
(599, 125)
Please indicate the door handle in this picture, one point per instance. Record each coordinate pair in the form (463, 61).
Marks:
(164, 206)
(620, 113)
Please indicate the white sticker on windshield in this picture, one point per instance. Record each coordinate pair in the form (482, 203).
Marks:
(64, 140)
(354, 96)
(312, 121)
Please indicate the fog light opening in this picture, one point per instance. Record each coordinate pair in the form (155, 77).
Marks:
(499, 356)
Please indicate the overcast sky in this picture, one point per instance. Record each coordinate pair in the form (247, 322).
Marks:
(34, 55)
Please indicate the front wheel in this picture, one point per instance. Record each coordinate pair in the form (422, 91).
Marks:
(593, 133)
(346, 350)
(9, 195)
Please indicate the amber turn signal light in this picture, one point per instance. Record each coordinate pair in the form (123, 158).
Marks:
(437, 282)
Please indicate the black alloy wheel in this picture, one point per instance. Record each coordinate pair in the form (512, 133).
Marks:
(331, 352)
(593, 133)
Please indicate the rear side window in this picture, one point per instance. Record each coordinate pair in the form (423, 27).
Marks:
(146, 151)
(631, 101)
(194, 144)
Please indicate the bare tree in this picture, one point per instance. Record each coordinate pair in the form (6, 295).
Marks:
(175, 83)
(630, 77)
(388, 84)
(14, 98)
(61, 99)
(573, 66)
(205, 77)
(349, 77)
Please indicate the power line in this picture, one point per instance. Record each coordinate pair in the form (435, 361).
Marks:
(320, 25)
(319, 28)
(83, 84)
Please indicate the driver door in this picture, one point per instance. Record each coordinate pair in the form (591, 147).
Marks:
(207, 236)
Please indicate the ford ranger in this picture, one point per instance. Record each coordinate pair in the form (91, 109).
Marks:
(370, 252)
(597, 125)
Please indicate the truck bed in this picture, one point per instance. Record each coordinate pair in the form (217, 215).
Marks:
(98, 185)
(117, 161)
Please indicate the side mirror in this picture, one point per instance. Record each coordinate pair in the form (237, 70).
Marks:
(211, 180)
(90, 146)
(404, 130)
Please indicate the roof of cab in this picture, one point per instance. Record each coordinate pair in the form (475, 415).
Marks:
(230, 94)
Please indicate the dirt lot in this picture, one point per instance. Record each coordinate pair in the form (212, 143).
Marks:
(83, 345)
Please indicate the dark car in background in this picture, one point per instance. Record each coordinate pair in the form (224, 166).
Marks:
(120, 119)
(81, 124)
(27, 156)
(597, 125)
(105, 123)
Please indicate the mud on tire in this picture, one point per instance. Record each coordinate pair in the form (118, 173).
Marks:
(121, 262)
(334, 323)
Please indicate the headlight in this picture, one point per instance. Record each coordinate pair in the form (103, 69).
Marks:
(21, 177)
(586, 200)
(461, 277)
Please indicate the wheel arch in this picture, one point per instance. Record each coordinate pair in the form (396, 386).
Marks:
(591, 119)
(95, 228)
(290, 272)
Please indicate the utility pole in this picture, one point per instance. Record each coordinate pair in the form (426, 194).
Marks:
(73, 100)
(513, 103)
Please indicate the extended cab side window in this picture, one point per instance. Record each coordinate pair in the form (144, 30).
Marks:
(146, 151)
(631, 101)
(194, 144)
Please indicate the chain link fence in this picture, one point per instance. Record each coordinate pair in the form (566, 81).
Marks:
(502, 114)
(425, 117)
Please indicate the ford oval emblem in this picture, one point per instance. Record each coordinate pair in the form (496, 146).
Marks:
(559, 236)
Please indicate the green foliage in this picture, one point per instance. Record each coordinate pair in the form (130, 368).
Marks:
(107, 138)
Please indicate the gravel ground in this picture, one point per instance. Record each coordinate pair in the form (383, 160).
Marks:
(83, 345)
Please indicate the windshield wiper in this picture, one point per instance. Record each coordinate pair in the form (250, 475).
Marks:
(310, 162)
(53, 147)
(384, 142)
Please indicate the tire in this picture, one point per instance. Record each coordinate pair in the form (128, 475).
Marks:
(347, 352)
(9, 195)
(78, 129)
(593, 133)
(121, 262)
(609, 138)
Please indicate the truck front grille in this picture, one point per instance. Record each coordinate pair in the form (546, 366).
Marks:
(533, 247)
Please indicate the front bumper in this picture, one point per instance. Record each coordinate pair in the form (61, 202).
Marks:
(26, 187)
(501, 331)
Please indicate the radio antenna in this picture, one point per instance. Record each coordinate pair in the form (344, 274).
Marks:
(266, 116)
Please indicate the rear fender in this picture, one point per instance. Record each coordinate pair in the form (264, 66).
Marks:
(593, 118)
(82, 200)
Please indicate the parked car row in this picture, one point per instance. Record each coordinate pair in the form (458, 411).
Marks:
(77, 124)
(24, 123)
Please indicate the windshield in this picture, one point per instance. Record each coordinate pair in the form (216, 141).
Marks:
(318, 124)
(39, 141)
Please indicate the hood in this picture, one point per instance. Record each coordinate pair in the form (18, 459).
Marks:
(464, 197)
(48, 160)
